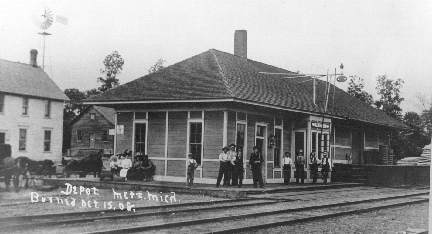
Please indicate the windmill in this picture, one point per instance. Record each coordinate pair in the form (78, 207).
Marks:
(44, 20)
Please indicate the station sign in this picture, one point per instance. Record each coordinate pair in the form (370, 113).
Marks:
(319, 125)
(120, 129)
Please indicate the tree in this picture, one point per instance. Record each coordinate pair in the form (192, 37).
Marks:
(356, 89)
(410, 143)
(390, 96)
(73, 107)
(113, 65)
(158, 65)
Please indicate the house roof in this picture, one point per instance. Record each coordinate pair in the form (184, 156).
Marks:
(24, 79)
(106, 112)
(215, 75)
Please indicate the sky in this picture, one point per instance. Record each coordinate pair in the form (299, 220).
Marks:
(371, 38)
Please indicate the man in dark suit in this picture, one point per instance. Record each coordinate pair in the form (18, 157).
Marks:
(299, 164)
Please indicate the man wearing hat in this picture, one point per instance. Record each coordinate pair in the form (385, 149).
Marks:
(314, 166)
(224, 163)
(326, 166)
(255, 162)
(299, 164)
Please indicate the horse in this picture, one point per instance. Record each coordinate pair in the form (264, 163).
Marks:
(12, 169)
(92, 163)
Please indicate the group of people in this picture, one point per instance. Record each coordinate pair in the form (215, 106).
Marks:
(300, 163)
(141, 169)
(231, 167)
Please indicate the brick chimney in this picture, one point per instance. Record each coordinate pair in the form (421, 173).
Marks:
(33, 57)
(240, 43)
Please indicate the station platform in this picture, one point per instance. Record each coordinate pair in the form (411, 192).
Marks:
(198, 189)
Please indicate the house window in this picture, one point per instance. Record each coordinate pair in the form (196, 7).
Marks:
(92, 116)
(260, 136)
(47, 141)
(22, 139)
(25, 106)
(2, 103)
(277, 147)
(48, 108)
(241, 136)
(140, 138)
(195, 140)
(105, 136)
(79, 135)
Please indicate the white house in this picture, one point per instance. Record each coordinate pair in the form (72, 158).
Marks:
(31, 110)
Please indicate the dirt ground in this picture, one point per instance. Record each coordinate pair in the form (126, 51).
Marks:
(395, 220)
(17, 204)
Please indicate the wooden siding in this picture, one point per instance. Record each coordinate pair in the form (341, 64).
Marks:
(176, 168)
(160, 166)
(269, 170)
(343, 136)
(177, 134)
(97, 126)
(213, 140)
(124, 141)
(211, 170)
(213, 131)
(156, 134)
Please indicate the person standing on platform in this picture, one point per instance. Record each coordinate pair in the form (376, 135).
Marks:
(238, 169)
(286, 165)
(191, 166)
(326, 167)
(224, 161)
(314, 166)
(230, 168)
(255, 162)
(299, 164)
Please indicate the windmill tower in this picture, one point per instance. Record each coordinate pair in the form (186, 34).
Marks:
(44, 20)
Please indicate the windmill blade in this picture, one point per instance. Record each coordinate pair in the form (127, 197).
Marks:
(45, 20)
(62, 19)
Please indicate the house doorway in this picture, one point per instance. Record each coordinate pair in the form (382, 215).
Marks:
(299, 143)
(92, 140)
(140, 138)
(260, 143)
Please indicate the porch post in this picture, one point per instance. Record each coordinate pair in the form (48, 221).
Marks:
(225, 129)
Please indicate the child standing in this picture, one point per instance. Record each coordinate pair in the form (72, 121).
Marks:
(192, 165)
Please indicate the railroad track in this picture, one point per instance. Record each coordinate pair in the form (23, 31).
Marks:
(203, 216)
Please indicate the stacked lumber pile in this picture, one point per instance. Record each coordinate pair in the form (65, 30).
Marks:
(424, 159)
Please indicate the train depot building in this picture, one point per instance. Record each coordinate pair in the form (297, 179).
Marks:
(213, 99)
